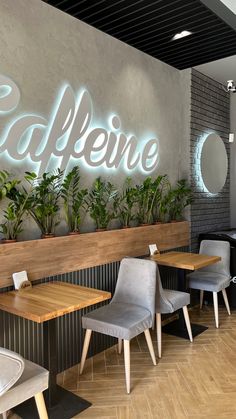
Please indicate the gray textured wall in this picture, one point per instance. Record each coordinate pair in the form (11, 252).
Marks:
(42, 47)
(210, 112)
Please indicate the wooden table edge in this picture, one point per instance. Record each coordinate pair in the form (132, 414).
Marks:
(186, 266)
(104, 296)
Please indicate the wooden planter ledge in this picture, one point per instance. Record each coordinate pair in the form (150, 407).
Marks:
(42, 258)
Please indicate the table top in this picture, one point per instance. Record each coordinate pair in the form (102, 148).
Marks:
(49, 300)
(185, 260)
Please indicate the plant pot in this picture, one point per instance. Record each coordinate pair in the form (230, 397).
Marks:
(73, 233)
(5, 241)
(47, 236)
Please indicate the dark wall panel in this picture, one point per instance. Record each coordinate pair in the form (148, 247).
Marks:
(210, 112)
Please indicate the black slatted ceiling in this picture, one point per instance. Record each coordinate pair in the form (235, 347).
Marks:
(149, 25)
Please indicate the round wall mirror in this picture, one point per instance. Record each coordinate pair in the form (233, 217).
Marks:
(214, 163)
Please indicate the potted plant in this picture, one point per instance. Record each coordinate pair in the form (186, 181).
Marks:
(164, 206)
(161, 183)
(100, 203)
(11, 226)
(146, 195)
(74, 199)
(124, 203)
(180, 197)
(20, 202)
(45, 202)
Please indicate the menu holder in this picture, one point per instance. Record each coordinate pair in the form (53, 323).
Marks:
(21, 281)
(153, 249)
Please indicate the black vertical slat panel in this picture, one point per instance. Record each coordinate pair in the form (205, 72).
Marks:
(26, 337)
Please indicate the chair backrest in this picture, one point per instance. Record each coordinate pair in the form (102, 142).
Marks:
(11, 369)
(136, 283)
(162, 304)
(217, 248)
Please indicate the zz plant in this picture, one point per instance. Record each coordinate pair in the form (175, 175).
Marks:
(146, 195)
(6, 185)
(124, 203)
(160, 185)
(74, 199)
(20, 202)
(180, 197)
(45, 202)
(100, 202)
(11, 227)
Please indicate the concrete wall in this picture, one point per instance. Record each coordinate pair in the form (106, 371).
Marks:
(42, 47)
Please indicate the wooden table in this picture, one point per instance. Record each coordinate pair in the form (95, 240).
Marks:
(184, 261)
(43, 304)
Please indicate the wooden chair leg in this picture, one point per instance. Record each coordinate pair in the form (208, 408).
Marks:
(119, 346)
(153, 323)
(150, 345)
(187, 321)
(127, 364)
(201, 298)
(40, 403)
(87, 338)
(215, 301)
(159, 343)
(226, 301)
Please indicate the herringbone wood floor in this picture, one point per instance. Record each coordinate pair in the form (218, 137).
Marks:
(191, 381)
(194, 381)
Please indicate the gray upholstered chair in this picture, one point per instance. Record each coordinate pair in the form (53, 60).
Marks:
(130, 312)
(213, 278)
(169, 301)
(19, 381)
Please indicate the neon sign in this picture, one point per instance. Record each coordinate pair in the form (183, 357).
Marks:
(70, 133)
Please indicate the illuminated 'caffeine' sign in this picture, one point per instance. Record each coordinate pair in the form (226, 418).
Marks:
(69, 133)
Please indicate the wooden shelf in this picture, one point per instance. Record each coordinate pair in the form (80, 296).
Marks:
(47, 257)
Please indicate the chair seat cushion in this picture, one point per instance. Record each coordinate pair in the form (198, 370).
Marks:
(33, 380)
(11, 368)
(120, 320)
(176, 299)
(208, 281)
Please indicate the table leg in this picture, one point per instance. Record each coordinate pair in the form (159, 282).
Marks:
(50, 360)
(178, 327)
(181, 280)
(61, 403)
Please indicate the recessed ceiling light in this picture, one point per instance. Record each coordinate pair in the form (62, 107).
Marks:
(181, 35)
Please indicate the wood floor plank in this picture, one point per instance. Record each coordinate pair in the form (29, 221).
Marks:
(191, 381)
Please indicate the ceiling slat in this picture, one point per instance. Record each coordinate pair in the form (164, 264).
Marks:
(149, 25)
(165, 42)
(172, 27)
(181, 64)
(172, 52)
